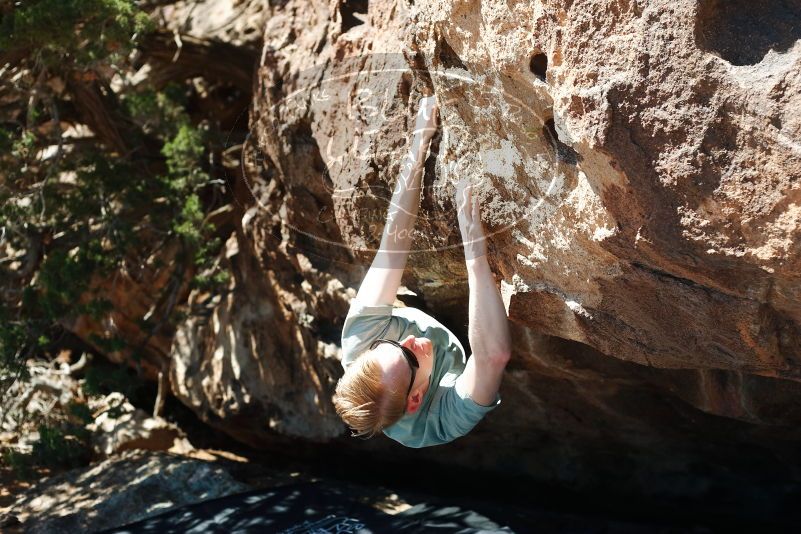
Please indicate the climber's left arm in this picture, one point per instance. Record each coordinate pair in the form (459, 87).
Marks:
(381, 283)
(488, 327)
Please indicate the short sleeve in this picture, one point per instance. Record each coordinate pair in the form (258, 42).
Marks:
(458, 413)
(363, 325)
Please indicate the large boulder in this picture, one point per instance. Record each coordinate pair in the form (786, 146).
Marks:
(639, 168)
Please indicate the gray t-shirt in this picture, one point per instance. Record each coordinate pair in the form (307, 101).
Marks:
(446, 412)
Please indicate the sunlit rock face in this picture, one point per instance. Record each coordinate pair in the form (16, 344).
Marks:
(639, 168)
(671, 238)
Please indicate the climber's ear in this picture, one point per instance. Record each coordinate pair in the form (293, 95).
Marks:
(413, 401)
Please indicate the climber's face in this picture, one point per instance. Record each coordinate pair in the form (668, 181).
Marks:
(396, 367)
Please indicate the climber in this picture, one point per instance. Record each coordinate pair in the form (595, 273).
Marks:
(405, 373)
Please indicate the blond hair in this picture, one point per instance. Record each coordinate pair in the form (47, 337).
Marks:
(365, 401)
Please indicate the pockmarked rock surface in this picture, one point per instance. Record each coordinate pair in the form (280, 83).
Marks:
(639, 166)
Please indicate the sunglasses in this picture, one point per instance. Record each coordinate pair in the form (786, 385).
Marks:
(408, 354)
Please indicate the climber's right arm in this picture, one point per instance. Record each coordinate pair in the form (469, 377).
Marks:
(381, 283)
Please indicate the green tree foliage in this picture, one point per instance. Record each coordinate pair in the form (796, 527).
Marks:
(97, 174)
(83, 31)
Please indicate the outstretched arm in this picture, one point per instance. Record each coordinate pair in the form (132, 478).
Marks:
(382, 281)
(488, 329)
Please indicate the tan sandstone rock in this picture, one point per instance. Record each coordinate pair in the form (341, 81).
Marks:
(641, 195)
(639, 169)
